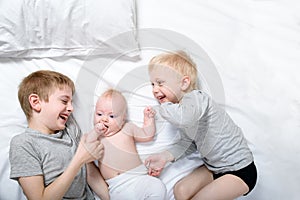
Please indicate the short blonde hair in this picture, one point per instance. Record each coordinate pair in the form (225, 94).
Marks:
(179, 61)
(113, 93)
(41, 83)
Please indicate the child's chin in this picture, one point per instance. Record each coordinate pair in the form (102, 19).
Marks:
(62, 126)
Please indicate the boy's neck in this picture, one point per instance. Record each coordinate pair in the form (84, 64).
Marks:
(34, 125)
(184, 93)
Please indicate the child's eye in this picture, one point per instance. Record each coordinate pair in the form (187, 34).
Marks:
(99, 114)
(112, 116)
(64, 102)
(160, 83)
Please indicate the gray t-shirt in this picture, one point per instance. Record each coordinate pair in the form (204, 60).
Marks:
(33, 153)
(218, 139)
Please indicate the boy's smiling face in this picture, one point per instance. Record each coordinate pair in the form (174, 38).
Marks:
(166, 84)
(54, 114)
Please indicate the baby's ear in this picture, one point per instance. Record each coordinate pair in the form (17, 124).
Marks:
(34, 101)
(185, 83)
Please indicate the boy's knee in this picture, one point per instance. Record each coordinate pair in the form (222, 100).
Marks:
(180, 192)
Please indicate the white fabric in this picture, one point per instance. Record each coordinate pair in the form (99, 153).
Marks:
(45, 28)
(135, 184)
(254, 46)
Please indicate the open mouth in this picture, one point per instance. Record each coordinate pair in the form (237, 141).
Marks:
(161, 98)
(105, 126)
(64, 117)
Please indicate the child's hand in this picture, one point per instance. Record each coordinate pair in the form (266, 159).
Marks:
(100, 128)
(155, 164)
(149, 112)
(90, 151)
(95, 134)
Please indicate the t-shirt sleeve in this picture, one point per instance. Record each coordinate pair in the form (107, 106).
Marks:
(183, 147)
(24, 159)
(184, 114)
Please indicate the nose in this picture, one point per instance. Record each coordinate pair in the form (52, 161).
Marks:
(155, 89)
(70, 107)
(104, 118)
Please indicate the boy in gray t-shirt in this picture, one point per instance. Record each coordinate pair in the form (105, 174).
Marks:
(48, 159)
(229, 170)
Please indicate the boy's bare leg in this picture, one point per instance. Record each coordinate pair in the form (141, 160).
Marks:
(187, 187)
(226, 187)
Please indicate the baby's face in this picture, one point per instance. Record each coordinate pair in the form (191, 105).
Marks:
(111, 113)
(166, 84)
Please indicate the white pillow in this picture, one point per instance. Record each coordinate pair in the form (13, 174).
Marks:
(50, 28)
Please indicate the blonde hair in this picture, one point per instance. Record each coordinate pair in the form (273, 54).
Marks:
(41, 83)
(113, 93)
(179, 61)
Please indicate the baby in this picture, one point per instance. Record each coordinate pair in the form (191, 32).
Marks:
(121, 166)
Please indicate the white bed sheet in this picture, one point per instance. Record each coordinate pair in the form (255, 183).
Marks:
(254, 45)
(254, 48)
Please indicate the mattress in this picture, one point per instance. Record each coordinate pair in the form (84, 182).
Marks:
(247, 53)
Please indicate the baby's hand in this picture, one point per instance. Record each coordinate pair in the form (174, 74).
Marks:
(94, 134)
(149, 112)
(100, 128)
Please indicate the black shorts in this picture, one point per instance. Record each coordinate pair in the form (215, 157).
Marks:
(247, 174)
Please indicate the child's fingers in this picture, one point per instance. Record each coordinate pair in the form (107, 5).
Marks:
(149, 112)
(150, 171)
(155, 172)
(95, 149)
(100, 128)
(98, 152)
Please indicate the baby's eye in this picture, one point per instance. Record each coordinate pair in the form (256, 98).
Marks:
(99, 114)
(112, 116)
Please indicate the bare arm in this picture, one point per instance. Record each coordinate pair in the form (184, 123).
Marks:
(33, 186)
(96, 181)
(147, 132)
